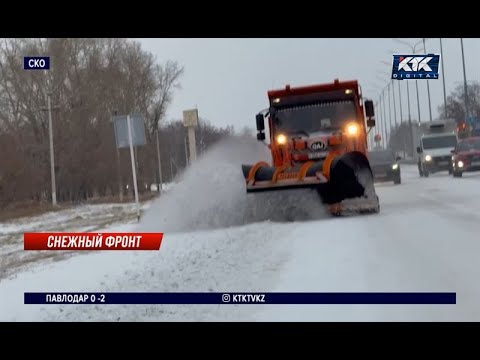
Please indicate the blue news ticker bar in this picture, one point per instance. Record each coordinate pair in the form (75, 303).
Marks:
(241, 298)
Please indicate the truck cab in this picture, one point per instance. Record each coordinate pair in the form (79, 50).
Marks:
(435, 151)
(318, 140)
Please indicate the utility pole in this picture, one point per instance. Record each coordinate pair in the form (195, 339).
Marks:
(428, 86)
(52, 156)
(190, 121)
(119, 171)
(172, 162)
(159, 164)
(410, 122)
(119, 175)
(50, 139)
(186, 149)
(389, 113)
(464, 81)
(134, 172)
(443, 79)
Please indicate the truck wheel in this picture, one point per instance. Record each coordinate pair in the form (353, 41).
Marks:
(457, 174)
(450, 171)
(397, 180)
(425, 173)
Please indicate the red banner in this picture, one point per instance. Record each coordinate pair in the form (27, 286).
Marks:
(92, 241)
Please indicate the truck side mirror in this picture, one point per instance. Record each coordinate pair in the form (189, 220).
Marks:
(260, 122)
(371, 123)
(260, 127)
(369, 109)
(453, 151)
(419, 150)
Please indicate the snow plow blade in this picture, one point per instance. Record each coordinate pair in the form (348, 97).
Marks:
(349, 187)
(262, 177)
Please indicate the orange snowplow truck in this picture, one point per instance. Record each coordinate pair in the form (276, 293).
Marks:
(318, 140)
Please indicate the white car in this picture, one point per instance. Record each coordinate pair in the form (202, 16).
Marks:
(435, 153)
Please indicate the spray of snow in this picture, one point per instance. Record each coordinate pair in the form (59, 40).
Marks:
(211, 194)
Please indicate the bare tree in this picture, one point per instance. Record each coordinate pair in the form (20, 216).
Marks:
(90, 79)
(456, 102)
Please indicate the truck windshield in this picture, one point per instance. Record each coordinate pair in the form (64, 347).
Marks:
(439, 142)
(311, 118)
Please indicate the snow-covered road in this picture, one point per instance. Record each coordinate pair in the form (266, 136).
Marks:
(426, 238)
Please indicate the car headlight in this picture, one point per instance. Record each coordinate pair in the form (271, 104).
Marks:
(394, 166)
(428, 158)
(281, 139)
(460, 164)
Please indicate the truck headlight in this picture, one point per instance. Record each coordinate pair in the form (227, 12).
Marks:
(394, 166)
(281, 139)
(460, 164)
(428, 158)
(352, 129)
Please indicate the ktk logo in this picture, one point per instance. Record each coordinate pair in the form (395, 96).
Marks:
(415, 67)
(418, 63)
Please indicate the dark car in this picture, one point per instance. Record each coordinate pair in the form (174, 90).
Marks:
(385, 166)
(466, 156)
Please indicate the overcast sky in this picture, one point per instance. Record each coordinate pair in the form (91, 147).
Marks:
(227, 79)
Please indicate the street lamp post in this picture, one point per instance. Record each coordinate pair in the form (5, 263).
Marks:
(372, 133)
(413, 48)
(464, 80)
(428, 87)
(410, 121)
(394, 104)
(400, 102)
(383, 129)
(401, 114)
(380, 122)
(418, 103)
(383, 110)
(384, 125)
(384, 120)
(443, 79)
(380, 128)
(389, 113)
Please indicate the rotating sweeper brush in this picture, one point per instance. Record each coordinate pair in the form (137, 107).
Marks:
(318, 141)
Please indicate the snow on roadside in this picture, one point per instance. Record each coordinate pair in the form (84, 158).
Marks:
(211, 195)
(53, 219)
(84, 218)
(235, 259)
